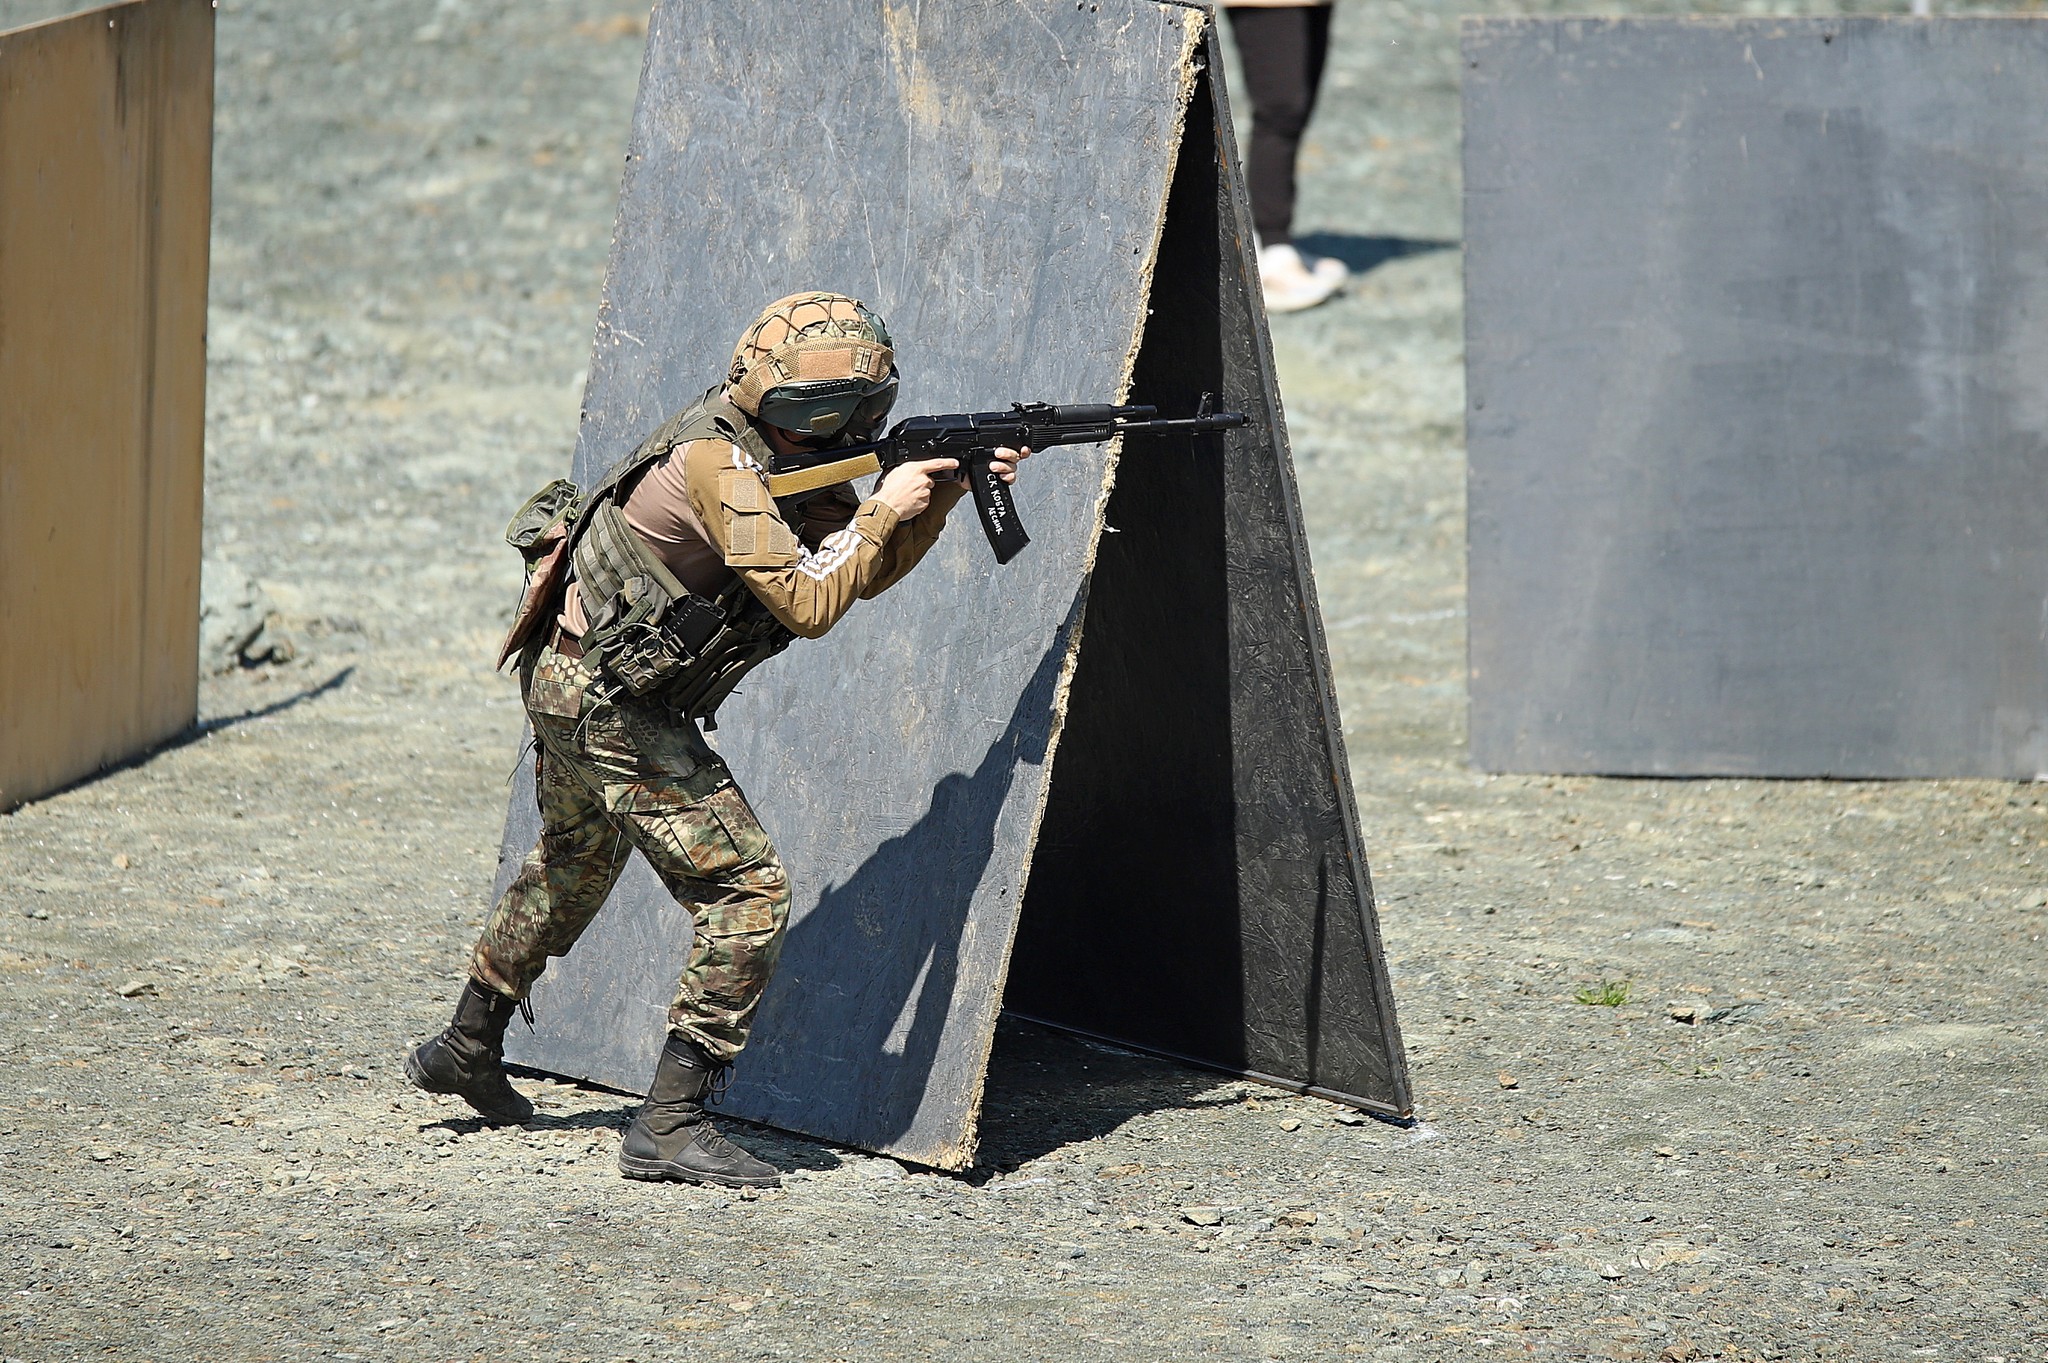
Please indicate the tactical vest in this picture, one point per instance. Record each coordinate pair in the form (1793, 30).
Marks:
(649, 634)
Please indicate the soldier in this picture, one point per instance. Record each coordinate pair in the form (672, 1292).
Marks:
(646, 602)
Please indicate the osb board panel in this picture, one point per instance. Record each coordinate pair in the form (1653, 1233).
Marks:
(992, 177)
(1757, 318)
(1199, 887)
(106, 126)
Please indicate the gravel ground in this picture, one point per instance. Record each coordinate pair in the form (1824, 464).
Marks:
(1805, 1122)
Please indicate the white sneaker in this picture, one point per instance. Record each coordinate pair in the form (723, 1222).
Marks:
(1292, 281)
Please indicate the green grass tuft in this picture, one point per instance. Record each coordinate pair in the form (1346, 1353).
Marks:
(1606, 994)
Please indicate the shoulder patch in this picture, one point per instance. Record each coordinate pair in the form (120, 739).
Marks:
(740, 490)
(756, 536)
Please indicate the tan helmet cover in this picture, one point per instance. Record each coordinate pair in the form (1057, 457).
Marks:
(805, 338)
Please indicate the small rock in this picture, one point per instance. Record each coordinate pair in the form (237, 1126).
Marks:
(1747, 1010)
(1202, 1216)
(1667, 935)
(1073, 1251)
(1450, 1277)
(1290, 1123)
(1335, 1277)
(136, 989)
(37, 912)
(1303, 1218)
(1609, 1272)
(1475, 1274)
(2034, 899)
(1331, 1238)
(233, 613)
(1508, 1081)
(1687, 1013)
(121, 862)
(883, 1170)
(1684, 1351)
(1349, 1118)
(1666, 1152)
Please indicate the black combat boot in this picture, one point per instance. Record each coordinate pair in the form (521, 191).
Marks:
(468, 1059)
(671, 1138)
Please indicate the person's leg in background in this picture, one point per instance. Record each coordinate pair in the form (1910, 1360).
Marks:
(1283, 49)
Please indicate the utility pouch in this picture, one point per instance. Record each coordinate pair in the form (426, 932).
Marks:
(631, 640)
(540, 531)
(553, 506)
(747, 635)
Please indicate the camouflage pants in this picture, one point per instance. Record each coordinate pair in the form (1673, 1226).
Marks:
(612, 777)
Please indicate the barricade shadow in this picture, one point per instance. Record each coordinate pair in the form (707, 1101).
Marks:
(1049, 1089)
(882, 1018)
(201, 729)
(908, 906)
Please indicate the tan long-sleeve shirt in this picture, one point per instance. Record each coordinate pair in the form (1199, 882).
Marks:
(704, 509)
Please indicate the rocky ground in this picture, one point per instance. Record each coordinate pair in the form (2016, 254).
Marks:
(1717, 1069)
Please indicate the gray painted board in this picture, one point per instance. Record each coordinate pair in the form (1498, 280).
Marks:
(993, 178)
(1757, 318)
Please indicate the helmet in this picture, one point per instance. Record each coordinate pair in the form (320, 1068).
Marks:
(817, 364)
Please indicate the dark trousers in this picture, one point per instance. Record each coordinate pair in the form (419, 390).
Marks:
(1283, 49)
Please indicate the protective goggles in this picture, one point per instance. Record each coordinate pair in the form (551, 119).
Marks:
(826, 407)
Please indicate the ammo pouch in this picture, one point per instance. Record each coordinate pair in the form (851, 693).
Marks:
(653, 637)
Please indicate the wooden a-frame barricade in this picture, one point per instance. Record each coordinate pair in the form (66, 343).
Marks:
(1104, 786)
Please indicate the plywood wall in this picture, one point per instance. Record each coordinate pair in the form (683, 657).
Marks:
(106, 128)
(1756, 322)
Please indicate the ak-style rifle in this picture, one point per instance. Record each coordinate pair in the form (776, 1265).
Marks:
(972, 438)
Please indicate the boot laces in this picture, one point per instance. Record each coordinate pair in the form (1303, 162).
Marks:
(712, 1141)
(721, 1080)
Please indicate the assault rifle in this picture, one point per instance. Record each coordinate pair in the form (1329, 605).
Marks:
(972, 438)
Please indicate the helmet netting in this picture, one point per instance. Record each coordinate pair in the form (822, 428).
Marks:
(808, 335)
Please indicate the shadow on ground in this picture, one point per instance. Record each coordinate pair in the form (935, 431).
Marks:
(1361, 254)
(200, 729)
(1048, 1089)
